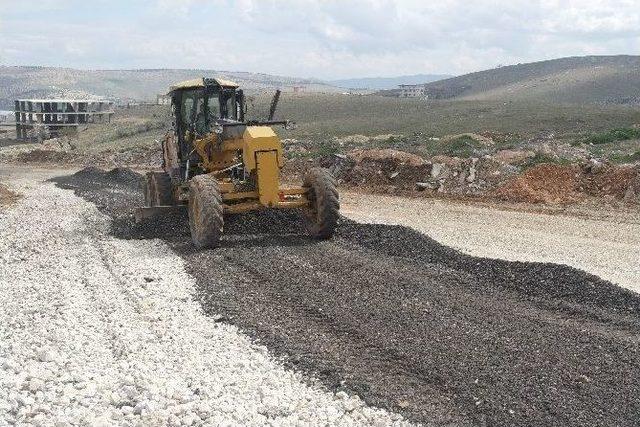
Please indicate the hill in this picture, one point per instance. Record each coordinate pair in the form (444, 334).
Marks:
(381, 83)
(590, 79)
(125, 85)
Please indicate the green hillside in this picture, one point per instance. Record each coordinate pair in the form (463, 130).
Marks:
(139, 85)
(591, 79)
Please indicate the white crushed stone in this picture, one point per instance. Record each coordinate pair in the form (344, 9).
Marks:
(608, 247)
(100, 331)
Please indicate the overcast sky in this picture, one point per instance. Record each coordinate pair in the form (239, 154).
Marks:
(313, 38)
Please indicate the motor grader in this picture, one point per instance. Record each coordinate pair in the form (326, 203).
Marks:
(215, 164)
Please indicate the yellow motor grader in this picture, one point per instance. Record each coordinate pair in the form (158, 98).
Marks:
(216, 163)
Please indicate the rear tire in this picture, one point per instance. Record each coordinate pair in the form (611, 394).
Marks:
(206, 212)
(322, 216)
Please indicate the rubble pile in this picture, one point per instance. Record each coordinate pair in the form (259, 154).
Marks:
(545, 183)
(392, 170)
(384, 168)
(506, 175)
(604, 180)
(563, 184)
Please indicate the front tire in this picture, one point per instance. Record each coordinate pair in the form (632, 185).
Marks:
(324, 210)
(206, 212)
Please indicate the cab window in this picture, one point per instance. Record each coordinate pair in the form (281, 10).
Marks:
(229, 105)
(214, 106)
(186, 109)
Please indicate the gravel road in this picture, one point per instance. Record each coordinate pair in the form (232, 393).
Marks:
(604, 243)
(406, 323)
(95, 330)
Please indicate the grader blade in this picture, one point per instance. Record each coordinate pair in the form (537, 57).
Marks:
(141, 214)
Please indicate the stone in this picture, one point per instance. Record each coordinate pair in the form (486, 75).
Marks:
(46, 355)
(436, 170)
(421, 186)
(35, 384)
(630, 194)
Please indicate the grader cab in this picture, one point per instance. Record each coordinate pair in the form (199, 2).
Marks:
(215, 163)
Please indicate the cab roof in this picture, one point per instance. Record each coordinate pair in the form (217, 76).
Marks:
(201, 82)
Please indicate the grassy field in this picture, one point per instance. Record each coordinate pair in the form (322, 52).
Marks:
(340, 115)
(418, 126)
(329, 124)
(130, 129)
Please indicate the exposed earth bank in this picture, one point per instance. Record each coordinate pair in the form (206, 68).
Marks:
(406, 323)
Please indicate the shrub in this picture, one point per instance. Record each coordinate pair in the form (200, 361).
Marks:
(540, 158)
(614, 135)
(326, 148)
(464, 146)
(627, 158)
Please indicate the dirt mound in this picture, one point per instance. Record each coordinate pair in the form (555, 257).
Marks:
(116, 176)
(512, 157)
(123, 175)
(498, 136)
(474, 136)
(147, 157)
(49, 156)
(545, 183)
(564, 184)
(384, 167)
(609, 180)
(7, 197)
(387, 156)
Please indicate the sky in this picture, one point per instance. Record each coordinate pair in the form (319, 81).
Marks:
(325, 39)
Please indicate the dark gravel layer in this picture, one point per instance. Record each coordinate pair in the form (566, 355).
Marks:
(411, 325)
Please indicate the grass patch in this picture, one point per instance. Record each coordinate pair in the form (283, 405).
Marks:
(626, 158)
(124, 131)
(326, 148)
(463, 146)
(541, 158)
(614, 135)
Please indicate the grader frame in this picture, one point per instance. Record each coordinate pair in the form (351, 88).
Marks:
(216, 163)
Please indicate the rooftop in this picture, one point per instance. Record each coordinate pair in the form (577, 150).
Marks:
(202, 82)
(64, 100)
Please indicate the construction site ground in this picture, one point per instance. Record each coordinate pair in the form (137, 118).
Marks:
(108, 321)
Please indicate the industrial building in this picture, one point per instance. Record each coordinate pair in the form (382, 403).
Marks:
(163, 99)
(411, 91)
(54, 117)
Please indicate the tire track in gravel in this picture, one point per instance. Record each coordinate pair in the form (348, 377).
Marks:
(410, 325)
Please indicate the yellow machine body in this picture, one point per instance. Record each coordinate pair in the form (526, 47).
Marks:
(216, 162)
(259, 149)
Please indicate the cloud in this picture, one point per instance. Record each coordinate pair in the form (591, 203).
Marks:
(323, 38)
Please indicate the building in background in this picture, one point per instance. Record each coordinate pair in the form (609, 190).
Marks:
(49, 118)
(6, 116)
(163, 99)
(411, 91)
